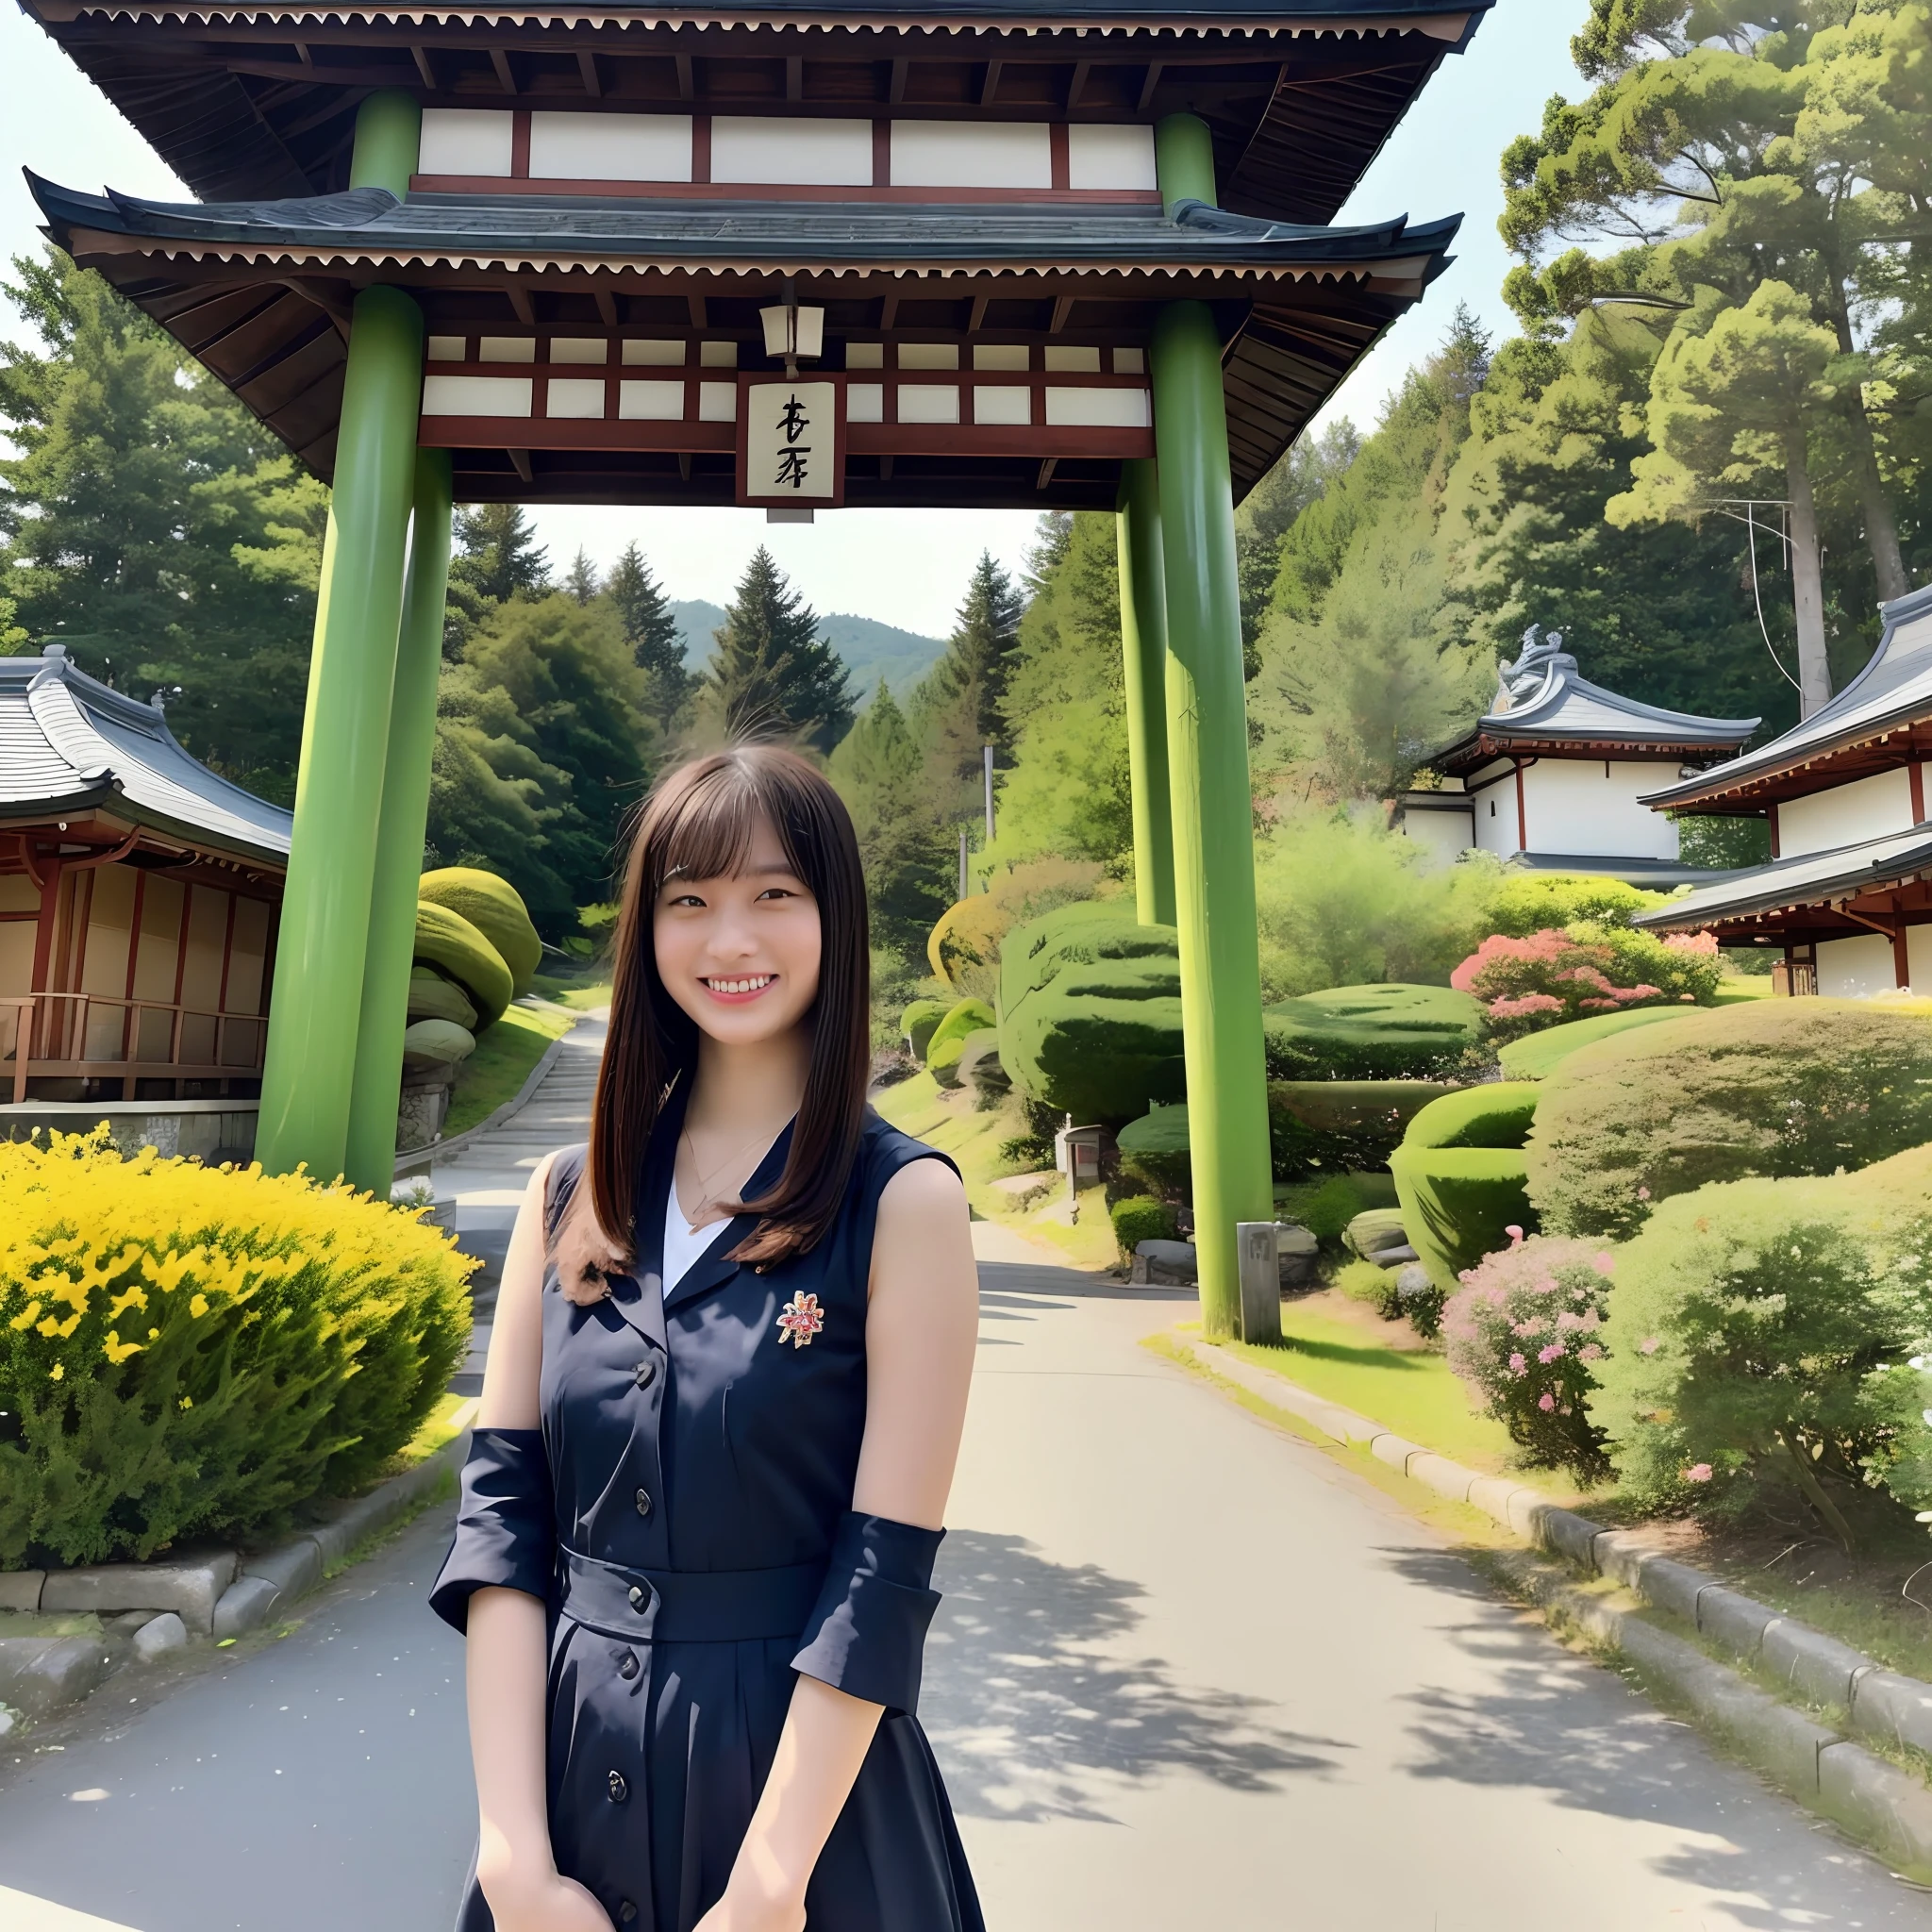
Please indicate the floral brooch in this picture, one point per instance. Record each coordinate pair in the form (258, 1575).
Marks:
(802, 1319)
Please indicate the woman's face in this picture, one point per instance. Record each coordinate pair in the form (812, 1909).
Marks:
(741, 953)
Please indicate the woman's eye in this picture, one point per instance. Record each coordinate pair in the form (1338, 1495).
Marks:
(777, 892)
(687, 899)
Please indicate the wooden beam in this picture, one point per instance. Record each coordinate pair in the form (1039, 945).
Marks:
(1046, 470)
(1148, 84)
(888, 309)
(1077, 86)
(988, 82)
(505, 77)
(302, 55)
(520, 463)
(587, 67)
(896, 91)
(606, 307)
(519, 298)
(682, 62)
(684, 466)
(695, 303)
(794, 76)
(421, 57)
(1062, 308)
(978, 315)
(886, 467)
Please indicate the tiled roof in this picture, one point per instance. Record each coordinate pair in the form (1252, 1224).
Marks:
(1812, 878)
(1895, 687)
(68, 741)
(753, 233)
(1543, 697)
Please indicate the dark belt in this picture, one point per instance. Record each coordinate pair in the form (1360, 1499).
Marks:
(687, 1606)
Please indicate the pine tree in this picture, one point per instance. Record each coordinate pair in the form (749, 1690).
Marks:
(498, 552)
(150, 524)
(959, 701)
(905, 850)
(580, 580)
(650, 629)
(772, 676)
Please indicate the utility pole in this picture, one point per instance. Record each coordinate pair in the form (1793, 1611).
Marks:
(986, 751)
(962, 861)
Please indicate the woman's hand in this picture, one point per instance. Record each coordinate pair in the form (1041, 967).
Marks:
(745, 1908)
(546, 1902)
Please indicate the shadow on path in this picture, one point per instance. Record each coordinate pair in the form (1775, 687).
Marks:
(1553, 1722)
(1033, 1708)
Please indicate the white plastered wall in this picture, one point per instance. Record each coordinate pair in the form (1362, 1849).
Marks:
(1844, 814)
(1855, 969)
(1443, 835)
(1590, 806)
(1495, 816)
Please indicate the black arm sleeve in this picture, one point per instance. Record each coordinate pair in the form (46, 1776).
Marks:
(505, 1525)
(867, 1633)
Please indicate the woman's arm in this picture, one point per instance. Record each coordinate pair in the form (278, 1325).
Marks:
(921, 1331)
(505, 1660)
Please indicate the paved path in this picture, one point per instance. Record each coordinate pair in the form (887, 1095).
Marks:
(1188, 1673)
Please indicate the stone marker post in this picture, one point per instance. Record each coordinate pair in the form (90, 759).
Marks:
(1260, 1266)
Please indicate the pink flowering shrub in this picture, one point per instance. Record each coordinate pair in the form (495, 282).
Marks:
(1552, 977)
(1523, 1333)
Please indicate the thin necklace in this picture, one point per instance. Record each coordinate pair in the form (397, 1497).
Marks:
(737, 1154)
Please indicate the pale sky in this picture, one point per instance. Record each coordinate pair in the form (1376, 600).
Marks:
(906, 567)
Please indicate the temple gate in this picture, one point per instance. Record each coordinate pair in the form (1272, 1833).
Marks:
(1041, 255)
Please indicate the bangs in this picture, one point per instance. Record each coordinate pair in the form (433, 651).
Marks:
(705, 828)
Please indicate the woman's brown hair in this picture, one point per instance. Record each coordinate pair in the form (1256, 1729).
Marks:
(698, 823)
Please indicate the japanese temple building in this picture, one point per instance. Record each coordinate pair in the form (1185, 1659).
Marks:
(1036, 253)
(139, 899)
(1553, 776)
(1847, 896)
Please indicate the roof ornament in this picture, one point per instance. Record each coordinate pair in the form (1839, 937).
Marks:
(1523, 682)
(159, 700)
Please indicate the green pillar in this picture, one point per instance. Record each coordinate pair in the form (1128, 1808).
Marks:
(1207, 766)
(1143, 642)
(371, 1143)
(316, 1005)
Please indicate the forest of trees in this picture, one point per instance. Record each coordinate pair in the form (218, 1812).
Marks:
(1722, 286)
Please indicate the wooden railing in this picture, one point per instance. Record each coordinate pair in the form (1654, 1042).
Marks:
(88, 1036)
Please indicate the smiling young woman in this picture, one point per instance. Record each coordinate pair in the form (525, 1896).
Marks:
(727, 1383)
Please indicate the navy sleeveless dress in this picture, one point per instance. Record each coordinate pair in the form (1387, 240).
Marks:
(685, 1511)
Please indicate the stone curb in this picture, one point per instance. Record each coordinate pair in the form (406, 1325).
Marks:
(1885, 1807)
(215, 1595)
(420, 1159)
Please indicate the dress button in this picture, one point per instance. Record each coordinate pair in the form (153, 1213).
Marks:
(619, 1789)
(643, 1500)
(627, 1911)
(647, 1372)
(627, 1666)
(638, 1598)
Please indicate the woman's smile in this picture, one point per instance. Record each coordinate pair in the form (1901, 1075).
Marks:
(747, 987)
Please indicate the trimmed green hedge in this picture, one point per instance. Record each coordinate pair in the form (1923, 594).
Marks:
(1141, 1218)
(1391, 1032)
(1498, 1115)
(447, 941)
(948, 1042)
(919, 1023)
(1463, 1179)
(1092, 1013)
(1536, 1055)
(495, 908)
(1774, 1088)
(1459, 1204)
(979, 1067)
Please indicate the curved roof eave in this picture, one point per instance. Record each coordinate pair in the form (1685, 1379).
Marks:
(1872, 705)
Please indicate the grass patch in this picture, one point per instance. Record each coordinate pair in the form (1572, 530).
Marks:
(1411, 1393)
(949, 1119)
(505, 1056)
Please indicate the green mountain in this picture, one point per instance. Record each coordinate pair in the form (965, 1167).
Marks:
(872, 650)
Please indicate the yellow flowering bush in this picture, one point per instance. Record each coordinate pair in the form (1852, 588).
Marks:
(186, 1349)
